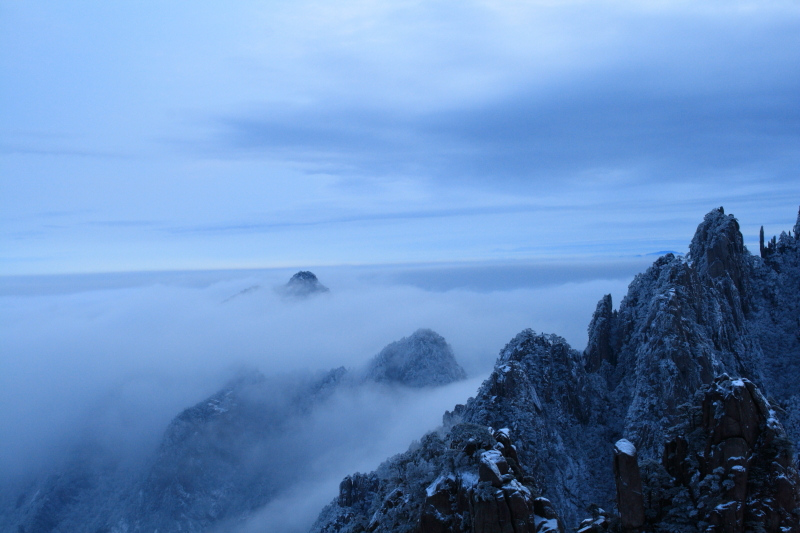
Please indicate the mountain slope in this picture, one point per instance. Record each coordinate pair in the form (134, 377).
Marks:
(683, 324)
(224, 458)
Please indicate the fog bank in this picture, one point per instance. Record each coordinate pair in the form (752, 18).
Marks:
(116, 357)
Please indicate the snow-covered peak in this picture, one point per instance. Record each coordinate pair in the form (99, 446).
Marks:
(718, 248)
(423, 359)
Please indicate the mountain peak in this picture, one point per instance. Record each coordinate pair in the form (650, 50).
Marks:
(717, 248)
(423, 359)
(302, 284)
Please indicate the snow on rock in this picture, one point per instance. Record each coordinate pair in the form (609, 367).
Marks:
(630, 499)
(683, 323)
(625, 446)
(740, 469)
(459, 481)
(423, 359)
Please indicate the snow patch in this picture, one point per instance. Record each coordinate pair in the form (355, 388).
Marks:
(468, 479)
(433, 487)
(626, 447)
(544, 525)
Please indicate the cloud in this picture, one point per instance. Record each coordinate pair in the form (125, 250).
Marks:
(362, 429)
(290, 133)
(128, 352)
(671, 92)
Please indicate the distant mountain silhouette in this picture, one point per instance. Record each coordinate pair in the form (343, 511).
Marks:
(302, 285)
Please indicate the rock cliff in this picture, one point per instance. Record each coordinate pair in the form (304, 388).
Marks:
(728, 467)
(683, 327)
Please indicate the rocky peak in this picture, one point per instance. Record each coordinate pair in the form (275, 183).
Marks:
(717, 248)
(727, 465)
(681, 323)
(600, 347)
(630, 501)
(423, 359)
(551, 366)
(303, 284)
(540, 391)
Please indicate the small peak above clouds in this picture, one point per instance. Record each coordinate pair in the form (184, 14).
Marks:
(718, 247)
(424, 359)
(302, 285)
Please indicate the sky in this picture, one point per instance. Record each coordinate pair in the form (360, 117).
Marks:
(195, 135)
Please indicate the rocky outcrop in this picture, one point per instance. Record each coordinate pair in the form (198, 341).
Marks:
(717, 249)
(600, 522)
(682, 322)
(630, 501)
(468, 479)
(302, 285)
(540, 393)
(356, 488)
(729, 468)
(423, 359)
(774, 320)
(601, 336)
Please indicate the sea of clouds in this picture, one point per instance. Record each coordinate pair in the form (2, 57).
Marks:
(113, 358)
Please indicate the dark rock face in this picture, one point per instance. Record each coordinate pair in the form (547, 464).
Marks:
(303, 284)
(630, 501)
(356, 488)
(600, 347)
(538, 390)
(685, 321)
(422, 360)
(718, 248)
(774, 320)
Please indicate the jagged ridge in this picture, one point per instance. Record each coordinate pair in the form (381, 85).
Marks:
(683, 323)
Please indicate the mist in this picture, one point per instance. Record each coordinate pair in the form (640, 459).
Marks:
(353, 432)
(111, 359)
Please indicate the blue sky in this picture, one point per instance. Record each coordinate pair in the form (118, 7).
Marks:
(192, 135)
